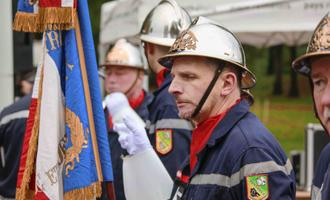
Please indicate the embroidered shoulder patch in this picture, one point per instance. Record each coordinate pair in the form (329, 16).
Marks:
(257, 187)
(164, 143)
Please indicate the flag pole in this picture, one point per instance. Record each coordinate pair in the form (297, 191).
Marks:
(87, 97)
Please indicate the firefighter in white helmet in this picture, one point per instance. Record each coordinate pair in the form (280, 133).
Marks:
(124, 72)
(315, 64)
(232, 154)
(169, 135)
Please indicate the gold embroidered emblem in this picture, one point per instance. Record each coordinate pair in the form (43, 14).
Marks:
(78, 140)
(185, 41)
(321, 37)
(164, 141)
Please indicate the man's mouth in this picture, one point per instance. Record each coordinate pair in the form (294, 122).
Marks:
(113, 89)
(180, 103)
(326, 114)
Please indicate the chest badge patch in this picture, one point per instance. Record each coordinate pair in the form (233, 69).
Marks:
(257, 187)
(164, 141)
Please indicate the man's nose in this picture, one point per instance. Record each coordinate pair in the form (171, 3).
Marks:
(175, 87)
(111, 77)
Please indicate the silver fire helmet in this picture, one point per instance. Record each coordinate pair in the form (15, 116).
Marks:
(124, 54)
(205, 38)
(164, 23)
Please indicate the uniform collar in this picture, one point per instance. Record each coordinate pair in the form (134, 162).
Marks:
(148, 98)
(167, 81)
(134, 103)
(228, 122)
(236, 113)
(161, 77)
(201, 135)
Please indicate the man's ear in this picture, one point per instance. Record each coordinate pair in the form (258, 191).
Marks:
(229, 83)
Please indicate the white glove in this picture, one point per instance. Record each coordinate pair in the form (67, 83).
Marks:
(115, 102)
(132, 135)
(118, 106)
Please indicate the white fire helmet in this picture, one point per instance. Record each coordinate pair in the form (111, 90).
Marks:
(124, 54)
(164, 23)
(206, 38)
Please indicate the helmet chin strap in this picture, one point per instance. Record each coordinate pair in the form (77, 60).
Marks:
(133, 84)
(208, 90)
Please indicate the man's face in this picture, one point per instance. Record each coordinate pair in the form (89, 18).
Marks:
(26, 87)
(191, 77)
(119, 79)
(321, 83)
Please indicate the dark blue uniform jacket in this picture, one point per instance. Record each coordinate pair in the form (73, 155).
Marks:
(164, 116)
(239, 147)
(12, 128)
(321, 181)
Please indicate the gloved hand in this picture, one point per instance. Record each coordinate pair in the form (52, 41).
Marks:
(132, 135)
(115, 102)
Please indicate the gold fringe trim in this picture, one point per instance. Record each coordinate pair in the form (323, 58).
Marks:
(91, 192)
(27, 22)
(29, 194)
(51, 18)
(23, 192)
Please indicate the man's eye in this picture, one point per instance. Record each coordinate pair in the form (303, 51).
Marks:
(120, 73)
(188, 76)
(319, 83)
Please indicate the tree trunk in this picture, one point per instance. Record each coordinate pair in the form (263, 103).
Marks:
(294, 89)
(270, 67)
(277, 64)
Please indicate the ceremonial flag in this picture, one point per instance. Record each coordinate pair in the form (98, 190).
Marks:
(25, 178)
(73, 155)
(26, 17)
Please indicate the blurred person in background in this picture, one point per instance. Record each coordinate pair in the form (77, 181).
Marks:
(124, 72)
(315, 64)
(169, 135)
(12, 128)
(27, 82)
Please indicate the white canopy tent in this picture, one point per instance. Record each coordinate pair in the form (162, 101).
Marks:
(255, 22)
(268, 23)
